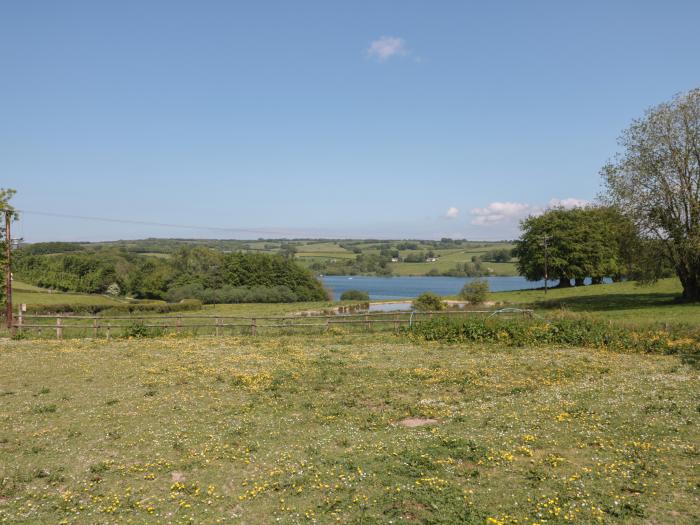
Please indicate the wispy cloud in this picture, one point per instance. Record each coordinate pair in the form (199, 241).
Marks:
(452, 212)
(511, 212)
(500, 212)
(386, 47)
(569, 203)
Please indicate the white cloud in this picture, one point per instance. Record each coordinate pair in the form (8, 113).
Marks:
(386, 47)
(569, 203)
(452, 212)
(499, 212)
(511, 212)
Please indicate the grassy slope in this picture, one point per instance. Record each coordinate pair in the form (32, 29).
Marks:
(29, 294)
(627, 301)
(293, 430)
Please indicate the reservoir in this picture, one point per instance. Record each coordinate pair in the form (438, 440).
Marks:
(385, 288)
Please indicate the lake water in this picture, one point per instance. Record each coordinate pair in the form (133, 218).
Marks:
(385, 288)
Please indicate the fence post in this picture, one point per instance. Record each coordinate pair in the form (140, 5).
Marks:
(328, 323)
(179, 324)
(396, 322)
(108, 334)
(253, 327)
(94, 327)
(367, 322)
(19, 319)
(216, 323)
(59, 327)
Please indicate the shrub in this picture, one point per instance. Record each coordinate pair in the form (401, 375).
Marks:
(354, 295)
(138, 329)
(476, 291)
(428, 302)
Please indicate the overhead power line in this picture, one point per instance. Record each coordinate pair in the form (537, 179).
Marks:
(149, 223)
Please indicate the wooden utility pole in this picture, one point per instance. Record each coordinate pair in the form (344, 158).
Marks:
(8, 271)
(545, 238)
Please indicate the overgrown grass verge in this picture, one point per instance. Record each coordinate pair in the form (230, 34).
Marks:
(572, 331)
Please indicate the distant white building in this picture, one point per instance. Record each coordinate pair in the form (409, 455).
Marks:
(431, 259)
(394, 259)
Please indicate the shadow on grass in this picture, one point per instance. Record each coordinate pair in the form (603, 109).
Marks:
(607, 302)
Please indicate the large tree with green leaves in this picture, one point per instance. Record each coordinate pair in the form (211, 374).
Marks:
(655, 181)
(581, 242)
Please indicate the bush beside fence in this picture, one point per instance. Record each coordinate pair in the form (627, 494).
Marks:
(115, 309)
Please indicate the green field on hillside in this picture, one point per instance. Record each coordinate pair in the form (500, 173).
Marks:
(33, 295)
(344, 429)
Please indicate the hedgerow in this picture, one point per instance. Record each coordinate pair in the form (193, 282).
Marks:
(115, 309)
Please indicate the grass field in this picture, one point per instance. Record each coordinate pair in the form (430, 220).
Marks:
(628, 301)
(312, 430)
(29, 294)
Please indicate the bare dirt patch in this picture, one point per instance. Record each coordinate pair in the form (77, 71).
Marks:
(417, 422)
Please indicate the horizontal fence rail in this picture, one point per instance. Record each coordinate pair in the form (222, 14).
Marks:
(60, 326)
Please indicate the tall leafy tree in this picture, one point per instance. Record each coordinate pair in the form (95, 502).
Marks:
(655, 181)
(579, 245)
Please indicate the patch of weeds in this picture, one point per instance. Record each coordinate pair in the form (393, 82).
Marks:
(138, 330)
(413, 463)
(112, 402)
(435, 502)
(625, 509)
(535, 475)
(45, 409)
(56, 478)
(41, 473)
(99, 468)
(458, 448)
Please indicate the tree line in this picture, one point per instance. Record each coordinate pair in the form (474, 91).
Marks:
(190, 273)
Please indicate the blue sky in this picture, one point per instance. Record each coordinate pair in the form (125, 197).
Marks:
(372, 119)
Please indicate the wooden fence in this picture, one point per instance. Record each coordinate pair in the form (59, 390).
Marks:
(60, 326)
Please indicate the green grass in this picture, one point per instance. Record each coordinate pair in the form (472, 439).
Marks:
(29, 294)
(19, 286)
(628, 301)
(443, 265)
(307, 430)
(325, 247)
(270, 309)
(324, 255)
